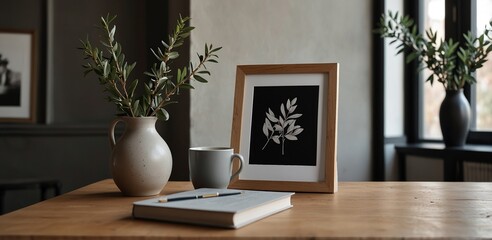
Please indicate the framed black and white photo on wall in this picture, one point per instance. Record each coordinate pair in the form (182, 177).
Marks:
(285, 126)
(17, 77)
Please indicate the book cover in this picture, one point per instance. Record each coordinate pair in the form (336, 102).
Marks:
(233, 211)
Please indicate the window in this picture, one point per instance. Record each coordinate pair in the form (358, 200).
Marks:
(437, 14)
(433, 18)
(483, 88)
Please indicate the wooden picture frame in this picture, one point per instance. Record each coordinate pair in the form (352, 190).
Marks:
(18, 85)
(285, 126)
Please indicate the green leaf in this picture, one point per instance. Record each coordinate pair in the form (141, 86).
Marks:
(184, 35)
(178, 44)
(155, 54)
(126, 102)
(110, 20)
(162, 114)
(162, 81)
(147, 89)
(489, 48)
(430, 79)
(105, 44)
(186, 86)
(215, 49)
(200, 79)
(149, 74)
(121, 59)
(112, 32)
(173, 55)
(136, 108)
(106, 68)
(165, 44)
(180, 75)
(184, 73)
(133, 86)
(130, 68)
(87, 72)
(411, 57)
(191, 67)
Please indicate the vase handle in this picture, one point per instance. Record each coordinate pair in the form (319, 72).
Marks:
(112, 141)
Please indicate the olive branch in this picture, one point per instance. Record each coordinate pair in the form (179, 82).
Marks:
(113, 71)
(452, 62)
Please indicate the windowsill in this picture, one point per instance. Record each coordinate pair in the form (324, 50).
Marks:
(438, 150)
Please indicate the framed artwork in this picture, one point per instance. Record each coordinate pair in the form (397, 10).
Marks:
(285, 126)
(17, 77)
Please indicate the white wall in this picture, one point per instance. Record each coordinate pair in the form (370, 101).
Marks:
(393, 97)
(393, 81)
(287, 31)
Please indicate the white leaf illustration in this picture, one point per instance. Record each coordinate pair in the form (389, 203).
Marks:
(291, 126)
(291, 137)
(288, 122)
(293, 101)
(276, 139)
(277, 127)
(265, 128)
(298, 115)
(271, 116)
(288, 104)
(292, 108)
(282, 110)
(297, 131)
(269, 125)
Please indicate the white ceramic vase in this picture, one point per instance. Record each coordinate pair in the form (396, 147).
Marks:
(141, 161)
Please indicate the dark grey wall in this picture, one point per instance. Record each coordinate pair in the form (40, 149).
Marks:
(73, 98)
(69, 142)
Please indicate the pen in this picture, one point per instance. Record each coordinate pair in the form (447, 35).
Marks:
(209, 195)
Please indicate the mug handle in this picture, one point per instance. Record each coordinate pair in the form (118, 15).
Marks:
(241, 163)
(112, 141)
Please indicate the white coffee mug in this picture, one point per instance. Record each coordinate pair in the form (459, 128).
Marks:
(211, 167)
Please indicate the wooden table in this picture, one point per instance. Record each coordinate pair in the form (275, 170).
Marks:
(358, 210)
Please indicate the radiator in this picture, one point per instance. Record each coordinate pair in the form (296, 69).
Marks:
(477, 172)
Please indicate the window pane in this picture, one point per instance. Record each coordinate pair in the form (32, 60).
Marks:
(433, 95)
(484, 74)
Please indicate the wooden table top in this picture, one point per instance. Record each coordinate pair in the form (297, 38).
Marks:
(358, 210)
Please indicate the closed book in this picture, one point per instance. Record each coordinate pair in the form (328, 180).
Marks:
(231, 211)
